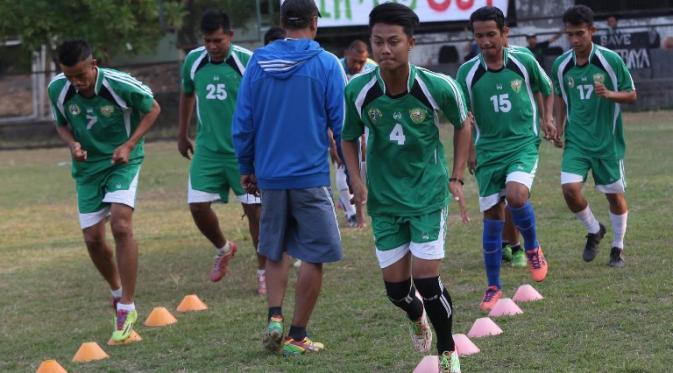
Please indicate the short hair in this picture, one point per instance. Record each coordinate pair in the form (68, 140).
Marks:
(394, 14)
(298, 14)
(272, 34)
(488, 13)
(73, 51)
(214, 19)
(358, 46)
(579, 14)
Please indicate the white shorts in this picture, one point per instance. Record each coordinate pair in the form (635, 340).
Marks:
(197, 196)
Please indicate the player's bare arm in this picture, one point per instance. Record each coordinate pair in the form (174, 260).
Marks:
(185, 112)
(546, 107)
(462, 138)
(121, 154)
(75, 147)
(620, 97)
(350, 152)
(560, 115)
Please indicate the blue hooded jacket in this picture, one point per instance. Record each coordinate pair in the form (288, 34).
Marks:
(291, 93)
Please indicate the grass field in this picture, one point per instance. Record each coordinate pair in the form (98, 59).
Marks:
(593, 318)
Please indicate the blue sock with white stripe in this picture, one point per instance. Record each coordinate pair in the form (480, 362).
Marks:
(438, 306)
(524, 220)
(492, 243)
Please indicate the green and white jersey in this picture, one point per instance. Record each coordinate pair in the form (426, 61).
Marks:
(406, 168)
(215, 86)
(503, 103)
(520, 49)
(105, 121)
(593, 124)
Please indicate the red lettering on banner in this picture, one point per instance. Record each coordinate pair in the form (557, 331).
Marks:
(440, 6)
(466, 4)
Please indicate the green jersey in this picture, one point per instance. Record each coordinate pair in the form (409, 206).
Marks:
(520, 49)
(593, 124)
(503, 103)
(105, 121)
(215, 86)
(406, 169)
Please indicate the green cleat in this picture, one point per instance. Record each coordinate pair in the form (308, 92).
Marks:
(124, 321)
(448, 362)
(519, 259)
(294, 348)
(507, 254)
(273, 335)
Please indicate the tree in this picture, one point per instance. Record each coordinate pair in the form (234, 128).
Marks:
(110, 26)
(239, 11)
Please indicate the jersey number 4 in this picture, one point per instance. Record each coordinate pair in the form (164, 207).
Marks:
(397, 135)
(501, 103)
(216, 91)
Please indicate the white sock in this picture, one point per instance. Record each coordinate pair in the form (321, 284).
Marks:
(588, 220)
(224, 249)
(126, 307)
(618, 228)
(116, 293)
(261, 272)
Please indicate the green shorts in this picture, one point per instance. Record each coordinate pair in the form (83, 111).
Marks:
(423, 235)
(493, 175)
(95, 192)
(608, 173)
(211, 175)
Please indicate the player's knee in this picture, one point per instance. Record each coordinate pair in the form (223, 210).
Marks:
(428, 287)
(199, 208)
(570, 192)
(120, 226)
(94, 242)
(397, 292)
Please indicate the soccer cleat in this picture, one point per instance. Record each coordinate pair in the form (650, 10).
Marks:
(591, 247)
(221, 262)
(352, 222)
(421, 334)
(273, 335)
(294, 348)
(616, 258)
(507, 254)
(537, 264)
(449, 362)
(491, 297)
(519, 259)
(114, 302)
(124, 321)
(261, 284)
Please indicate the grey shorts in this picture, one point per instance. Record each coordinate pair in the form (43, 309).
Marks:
(302, 222)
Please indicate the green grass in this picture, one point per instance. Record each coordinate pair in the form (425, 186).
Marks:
(593, 318)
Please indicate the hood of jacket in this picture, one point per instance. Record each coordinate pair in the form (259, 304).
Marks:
(282, 58)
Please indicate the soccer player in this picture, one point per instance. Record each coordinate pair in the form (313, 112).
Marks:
(281, 142)
(102, 115)
(500, 86)
(590, 83)
(211, 76)
(407, 189)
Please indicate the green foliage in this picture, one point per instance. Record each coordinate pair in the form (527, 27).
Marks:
(110, 26)
(239, 12)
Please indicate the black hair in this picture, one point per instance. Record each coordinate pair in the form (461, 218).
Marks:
(579, 14)
(488, 13)
(73, 51)
(214, 19)
(357, 45)
(274, 33)
(394, 14)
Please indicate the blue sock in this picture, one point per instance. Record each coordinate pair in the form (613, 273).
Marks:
(524, 220)
(492, 241)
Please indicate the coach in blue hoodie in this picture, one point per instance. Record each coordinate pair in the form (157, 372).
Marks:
(291, 93)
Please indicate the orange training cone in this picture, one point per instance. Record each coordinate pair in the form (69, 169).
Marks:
(505, 307)
(89, 351)
(526, 293)
(191, 303)
(464, 345)
(160, 317)
(134, 337)
(429, 364)
(50, 366)
(484, 327)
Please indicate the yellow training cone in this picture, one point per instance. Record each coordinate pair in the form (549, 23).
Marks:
(89, 351)
(50, 366)
(191, 303)
(160, 317)
(134, 337)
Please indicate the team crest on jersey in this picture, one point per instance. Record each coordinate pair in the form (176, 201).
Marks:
(417, 115)
(599, 78)
(107, 110)
(571, 82)
(516, 85)
(397, 116)
(374, 114)
(74, 109)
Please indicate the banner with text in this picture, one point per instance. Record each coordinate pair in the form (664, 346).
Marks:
(340, 13)
(633, 47)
